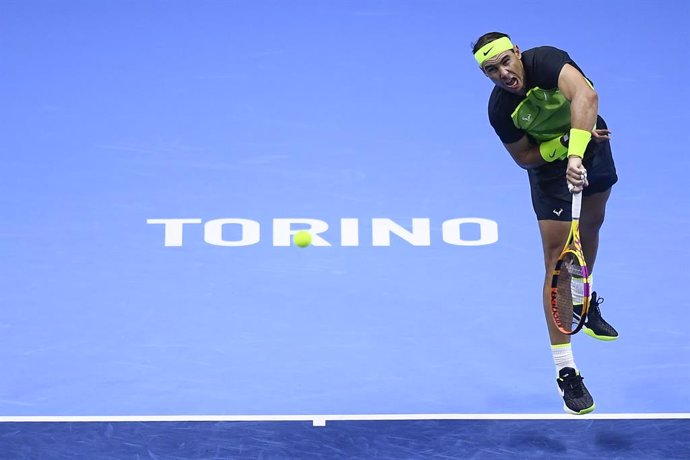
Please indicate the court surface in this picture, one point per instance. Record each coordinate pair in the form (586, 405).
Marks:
(158, 155)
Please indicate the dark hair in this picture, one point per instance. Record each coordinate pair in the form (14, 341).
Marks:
(486, 38)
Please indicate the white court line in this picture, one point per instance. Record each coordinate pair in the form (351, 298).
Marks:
(320, 420)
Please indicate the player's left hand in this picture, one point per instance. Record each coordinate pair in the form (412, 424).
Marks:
(601, 135)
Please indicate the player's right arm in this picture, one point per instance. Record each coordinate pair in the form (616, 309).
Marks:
(525, 153)
(529, 155)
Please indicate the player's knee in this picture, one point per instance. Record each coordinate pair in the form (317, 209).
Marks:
(553, 235)
(592, 222)
(551, 256)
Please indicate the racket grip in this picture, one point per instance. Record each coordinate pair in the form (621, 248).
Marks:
(577, 204)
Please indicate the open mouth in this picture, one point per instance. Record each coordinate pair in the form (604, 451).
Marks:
(511, 83)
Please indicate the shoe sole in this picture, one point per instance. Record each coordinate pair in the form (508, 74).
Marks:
(582, 412)
(605, 338)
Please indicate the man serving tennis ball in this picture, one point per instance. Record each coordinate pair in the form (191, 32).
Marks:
(545, 111)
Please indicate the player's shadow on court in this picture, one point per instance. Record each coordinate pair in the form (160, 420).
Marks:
(613, 441)
(552, 443)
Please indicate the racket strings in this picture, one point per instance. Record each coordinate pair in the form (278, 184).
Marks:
(570, 292)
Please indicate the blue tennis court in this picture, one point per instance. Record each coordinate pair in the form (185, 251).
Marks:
(158, 156)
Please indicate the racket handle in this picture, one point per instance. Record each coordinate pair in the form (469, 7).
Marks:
(577, 205)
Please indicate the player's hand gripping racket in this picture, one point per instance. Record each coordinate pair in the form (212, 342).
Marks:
(569, 282)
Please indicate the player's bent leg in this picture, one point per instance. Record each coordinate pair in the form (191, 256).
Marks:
(593, 215)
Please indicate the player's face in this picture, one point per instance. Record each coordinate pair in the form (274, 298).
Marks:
(506, 71)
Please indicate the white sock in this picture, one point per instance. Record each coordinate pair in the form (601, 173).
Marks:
(563, 356)
(577, 289)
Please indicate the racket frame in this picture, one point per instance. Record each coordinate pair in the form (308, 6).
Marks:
(572, 246)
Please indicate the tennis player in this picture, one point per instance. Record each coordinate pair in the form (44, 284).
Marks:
(545, 112)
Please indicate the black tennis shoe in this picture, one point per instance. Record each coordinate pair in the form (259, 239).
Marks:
(595, 325)
(576, 398)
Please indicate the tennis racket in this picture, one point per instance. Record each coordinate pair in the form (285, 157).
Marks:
(570, 280)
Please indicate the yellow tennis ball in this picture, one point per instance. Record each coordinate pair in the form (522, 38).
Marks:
(302, 238)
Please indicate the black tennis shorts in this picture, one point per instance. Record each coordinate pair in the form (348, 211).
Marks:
(551, 199)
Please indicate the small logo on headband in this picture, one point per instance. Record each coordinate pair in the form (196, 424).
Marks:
(488, 51)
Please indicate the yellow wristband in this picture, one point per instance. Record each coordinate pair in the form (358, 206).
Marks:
(553, 150)
(579, 138)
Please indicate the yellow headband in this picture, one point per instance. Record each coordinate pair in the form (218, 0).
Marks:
(492, 49)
